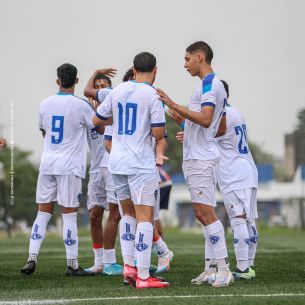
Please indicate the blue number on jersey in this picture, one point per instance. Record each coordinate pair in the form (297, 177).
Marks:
(58, 128)
(130, 116)
(243, 142)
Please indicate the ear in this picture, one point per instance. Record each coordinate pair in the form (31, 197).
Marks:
(76, 81)
(155, 71)
(58, 82)
(200, 57)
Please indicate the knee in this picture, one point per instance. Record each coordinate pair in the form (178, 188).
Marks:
(95, 217)
(114, 215)
(204, 218)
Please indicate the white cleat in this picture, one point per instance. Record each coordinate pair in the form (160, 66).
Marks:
(95, 269)
(164, 262)
(223, 279)
(208, 277)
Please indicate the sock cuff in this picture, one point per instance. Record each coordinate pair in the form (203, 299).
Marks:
(110, 251)
(214, 227)
(158, 239)
(237, 221)
(70, 216)
(147, 226)
(44, 215)
(97, 246)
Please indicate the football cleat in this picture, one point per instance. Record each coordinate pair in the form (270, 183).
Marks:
(164, 262)
(223, 278)
(252, 272)
(29, 268)
(77, 272)
(95, 269)
(151, 282)
(248, 274)
(113, 269)
(207, 276)
(130, 275)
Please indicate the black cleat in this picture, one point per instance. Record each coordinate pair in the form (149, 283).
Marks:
(77, 272)
(29, 268)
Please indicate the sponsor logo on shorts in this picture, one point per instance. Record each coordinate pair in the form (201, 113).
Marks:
(141, 246)
(128, 236)
(69, 241)
(214, 239)
(35, 235)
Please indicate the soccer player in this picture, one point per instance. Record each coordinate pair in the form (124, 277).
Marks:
(137, 113)
(2, 143)
(97, 88)
(237, 178)
(63, 120)
(201, 155)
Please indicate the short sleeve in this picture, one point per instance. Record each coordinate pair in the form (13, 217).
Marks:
(157, 114)
(102, 93)
(209, 94)
(108, 132)
(104, 110)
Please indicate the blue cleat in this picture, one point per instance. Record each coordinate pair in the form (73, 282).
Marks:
(113, 269)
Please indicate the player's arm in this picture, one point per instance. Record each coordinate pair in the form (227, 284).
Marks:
(108, 145)
(90, 90)
(203, 118)
(179, 119)
(157, 117)
(103, 115)
(108, 138)
(161, 147)
(222, 129)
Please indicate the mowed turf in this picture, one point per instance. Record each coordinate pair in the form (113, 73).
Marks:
(280, 269)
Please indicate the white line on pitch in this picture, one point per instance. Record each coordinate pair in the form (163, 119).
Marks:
(67, 301)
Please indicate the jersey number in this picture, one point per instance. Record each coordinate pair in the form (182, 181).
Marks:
(243, 142)
(129, 117)
(57, 129)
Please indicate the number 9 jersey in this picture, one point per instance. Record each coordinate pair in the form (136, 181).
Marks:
(65, 119)
(236, 169)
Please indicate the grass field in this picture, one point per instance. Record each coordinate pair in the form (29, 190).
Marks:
(280, 269)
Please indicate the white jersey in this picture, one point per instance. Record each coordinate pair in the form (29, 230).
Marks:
(199, 142)
(107, 136)
(236, 169)
(102, 93)
(135, 108)
(65, 119)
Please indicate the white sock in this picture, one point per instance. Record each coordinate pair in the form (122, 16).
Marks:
(144, 238)
(241, 242)
(98, 256)
(216, 235)
(38, 234)
(109, 257)
(161, 247)
(128, 227)
(70, 238)
(253, 235)
(209, 256)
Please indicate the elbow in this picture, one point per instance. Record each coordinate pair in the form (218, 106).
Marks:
(205, 124)
(87, 93)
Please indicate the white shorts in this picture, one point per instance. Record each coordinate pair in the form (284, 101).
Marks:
(141, 188)
(241, 202)
(65, 189)
(200, 178)
(109, 186)
(96, 191)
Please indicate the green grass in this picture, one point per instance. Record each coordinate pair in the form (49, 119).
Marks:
(280, 269)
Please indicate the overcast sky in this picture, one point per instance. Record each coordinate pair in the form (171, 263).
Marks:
(259, 49)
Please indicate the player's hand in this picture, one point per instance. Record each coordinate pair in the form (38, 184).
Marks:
(161, 159)
(2, 143)
(111, 72)
(94, 103)
(180, 136)
(165, 98)
(179, 119)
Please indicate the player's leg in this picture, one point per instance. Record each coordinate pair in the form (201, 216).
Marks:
(68, 197)
(110, 265)
(144, 191)
(46, 192)
(96, 204)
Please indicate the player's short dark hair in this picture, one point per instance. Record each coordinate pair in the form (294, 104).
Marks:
(203, 47)
(103, 76)
(144, 62)
(225, 84)
(129, 75)
(67, 74)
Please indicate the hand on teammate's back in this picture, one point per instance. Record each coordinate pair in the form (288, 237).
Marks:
(179, 119)
(165, 98)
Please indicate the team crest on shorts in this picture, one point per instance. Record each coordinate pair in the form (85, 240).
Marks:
(128, 236)
(69, 241)
(141, 246)
(35, 234)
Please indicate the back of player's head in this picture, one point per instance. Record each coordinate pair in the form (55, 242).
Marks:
(202, 47)
(225, 84)
(144, 62)
(67, 74)
(104, 77)
(129, 75)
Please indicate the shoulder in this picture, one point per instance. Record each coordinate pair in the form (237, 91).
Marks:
(211, 81)
(83, 103)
